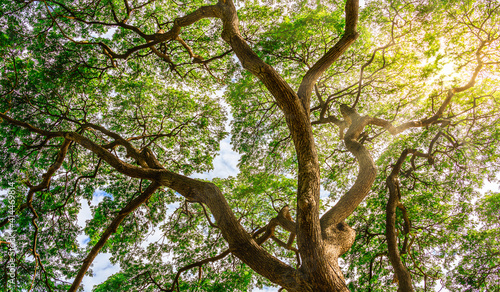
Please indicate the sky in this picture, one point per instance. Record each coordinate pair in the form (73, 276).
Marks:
(225, 165)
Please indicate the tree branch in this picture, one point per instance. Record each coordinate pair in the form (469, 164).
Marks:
(48, 175)
(366, 175)
(402, 273)
(434, 118)
(151, 39)
(115, 162)
(309, 236)
(240, 242)
(349, 36)
(129, 208)
(194, 265)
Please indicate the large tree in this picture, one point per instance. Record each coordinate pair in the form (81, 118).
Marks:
(392, 109)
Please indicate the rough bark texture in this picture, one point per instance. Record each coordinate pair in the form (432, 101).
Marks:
(319, 244)
(318, 267)
(402, 273)
(320, 241)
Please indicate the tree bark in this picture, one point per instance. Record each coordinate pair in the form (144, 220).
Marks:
(402, 273)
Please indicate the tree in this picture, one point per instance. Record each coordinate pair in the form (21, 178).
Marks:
(392, 108)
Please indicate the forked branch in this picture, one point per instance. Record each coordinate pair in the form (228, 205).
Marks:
(402, 273)
(241, 243)
(350, 35)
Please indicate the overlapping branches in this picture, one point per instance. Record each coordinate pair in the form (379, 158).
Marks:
(240, 242)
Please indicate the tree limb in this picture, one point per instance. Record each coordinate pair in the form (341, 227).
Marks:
(48, 175)
(366, 175)
(240, 242)
(434, 118)
(129, 208)
(403, 275)
(349, 36)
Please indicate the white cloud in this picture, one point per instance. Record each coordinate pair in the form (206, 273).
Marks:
(101, 267)
(225, 164)
(102, 270)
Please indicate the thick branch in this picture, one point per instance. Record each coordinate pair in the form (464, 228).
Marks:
(366, 175)
(131, 150)
(309, 236)
(151, 39)
(285, 220)
(400, 270)
(115, 162)
(277, 86)
(241, 243)
(350, 35)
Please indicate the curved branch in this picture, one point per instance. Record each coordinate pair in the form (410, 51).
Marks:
(366, 175)
(131, 150)
(194, 265)
(277, 86)
(285, 220)
(434, 118)
(208, 217)
(75, 185)
(240, 242)
(406, 226)
(115, 162)
(268, 233)
(309, 236)
(48, 175)
(173, 33)
(350, 35)
(402, 273)
(360, 81)
(151, 39)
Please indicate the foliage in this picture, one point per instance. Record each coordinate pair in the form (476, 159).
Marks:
(177, 96)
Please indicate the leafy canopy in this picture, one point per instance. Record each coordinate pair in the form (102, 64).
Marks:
(102, 70)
